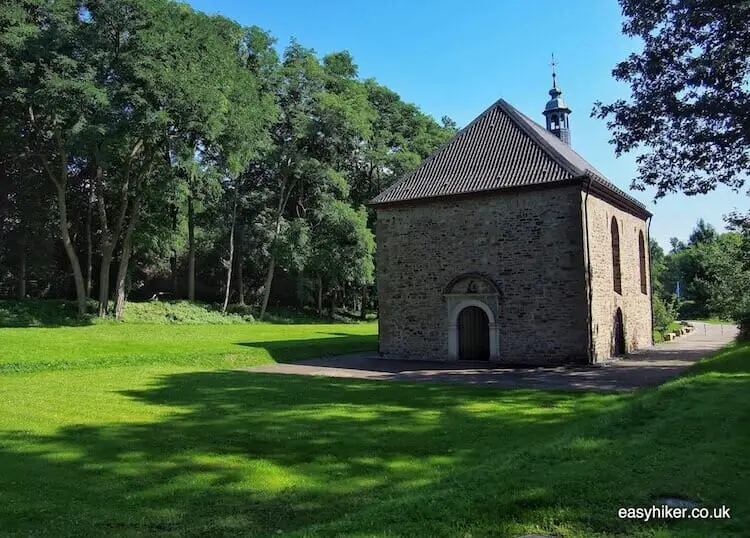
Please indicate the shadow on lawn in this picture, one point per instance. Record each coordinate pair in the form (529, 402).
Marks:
(256, 454)
(296, 350)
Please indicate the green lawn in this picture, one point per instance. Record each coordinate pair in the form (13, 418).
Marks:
(177, 446)
(115, 344)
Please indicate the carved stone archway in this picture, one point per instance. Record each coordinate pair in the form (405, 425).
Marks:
(472, 289)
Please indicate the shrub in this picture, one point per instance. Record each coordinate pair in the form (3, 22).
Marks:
(743, 320)
(664, 313)
(180, 312)
(42, 312)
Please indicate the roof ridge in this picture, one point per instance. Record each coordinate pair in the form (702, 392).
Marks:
(501, 148)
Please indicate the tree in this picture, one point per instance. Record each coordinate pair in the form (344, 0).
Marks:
(342, 249)
(690, 103)
(703, 233)
(51, 97)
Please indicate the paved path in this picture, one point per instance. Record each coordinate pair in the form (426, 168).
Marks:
(647, 367)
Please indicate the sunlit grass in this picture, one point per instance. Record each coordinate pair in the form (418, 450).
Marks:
(165, 447)
(112, 344)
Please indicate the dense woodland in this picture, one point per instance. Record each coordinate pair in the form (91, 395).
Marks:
(151, 150)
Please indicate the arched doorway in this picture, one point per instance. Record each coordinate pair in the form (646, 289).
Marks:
(618, 347)
(473, 334)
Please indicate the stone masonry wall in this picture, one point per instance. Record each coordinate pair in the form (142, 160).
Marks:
(636, 306)
(529, 242)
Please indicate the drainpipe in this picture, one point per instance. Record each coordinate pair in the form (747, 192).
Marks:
(650, 282)
(588, 272)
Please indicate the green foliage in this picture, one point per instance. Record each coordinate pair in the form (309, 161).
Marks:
(690, 91)
(181, 312)
(712, 272)
(172, 138)
(41, 313)
(742, 318)
(343, 246)
(664, 313)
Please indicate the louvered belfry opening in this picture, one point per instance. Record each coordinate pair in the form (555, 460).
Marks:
(473, 334)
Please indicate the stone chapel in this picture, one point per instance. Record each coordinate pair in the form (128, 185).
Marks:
(506, 245)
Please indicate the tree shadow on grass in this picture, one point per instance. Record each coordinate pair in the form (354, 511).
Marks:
(254, 454)
(285, 351)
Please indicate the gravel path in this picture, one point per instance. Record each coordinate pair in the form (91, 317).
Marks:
(647, 367)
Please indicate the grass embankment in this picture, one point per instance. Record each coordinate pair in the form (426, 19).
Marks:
(56, 313)
(160, 446)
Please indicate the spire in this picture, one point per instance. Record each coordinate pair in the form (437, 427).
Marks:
(556, 111)
(555, 91)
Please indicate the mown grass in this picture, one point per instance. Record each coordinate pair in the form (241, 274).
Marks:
(161, 447)
(202, 346)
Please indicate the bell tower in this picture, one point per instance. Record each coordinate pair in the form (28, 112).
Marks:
(556, 110)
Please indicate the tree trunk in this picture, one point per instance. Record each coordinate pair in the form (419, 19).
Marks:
(89, 242)
(299, 291)
(22, 273)
(109, 239)
(333, 304)
(271, 267)
(106, 264)
(240, 277)
(267, 287)
(363, 308)
(122, 273)
(320, 295)
(127, 250)
(173, 258)
(191, 249)
(231, 251)
(62, 211)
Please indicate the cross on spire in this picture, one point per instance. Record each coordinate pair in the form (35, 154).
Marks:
(554, 74)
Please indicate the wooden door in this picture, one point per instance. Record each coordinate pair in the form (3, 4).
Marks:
(619, 336)
(473, 334)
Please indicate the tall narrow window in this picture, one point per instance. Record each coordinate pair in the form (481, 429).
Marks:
(616, 274)
(642, 259)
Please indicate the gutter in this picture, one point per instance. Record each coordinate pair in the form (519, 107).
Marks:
(588, 275)
(650, 281)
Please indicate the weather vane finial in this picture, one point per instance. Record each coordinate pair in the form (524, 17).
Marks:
(554, 74)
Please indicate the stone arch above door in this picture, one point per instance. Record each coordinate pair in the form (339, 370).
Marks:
(472, 289)
(472, 284)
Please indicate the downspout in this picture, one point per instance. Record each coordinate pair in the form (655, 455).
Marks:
(588, 273)
(650, 282)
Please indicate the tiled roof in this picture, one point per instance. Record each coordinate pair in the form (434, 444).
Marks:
(502, 148)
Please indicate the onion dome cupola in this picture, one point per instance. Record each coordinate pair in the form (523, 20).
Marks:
(556, 111)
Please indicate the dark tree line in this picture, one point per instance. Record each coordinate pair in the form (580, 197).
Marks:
(146, 147)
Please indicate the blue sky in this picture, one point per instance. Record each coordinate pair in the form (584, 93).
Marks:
(457, 58)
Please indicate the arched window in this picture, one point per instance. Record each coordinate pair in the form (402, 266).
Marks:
(642, 259)
(616, 274)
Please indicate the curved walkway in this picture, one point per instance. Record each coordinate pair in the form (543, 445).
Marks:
(647, 367)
